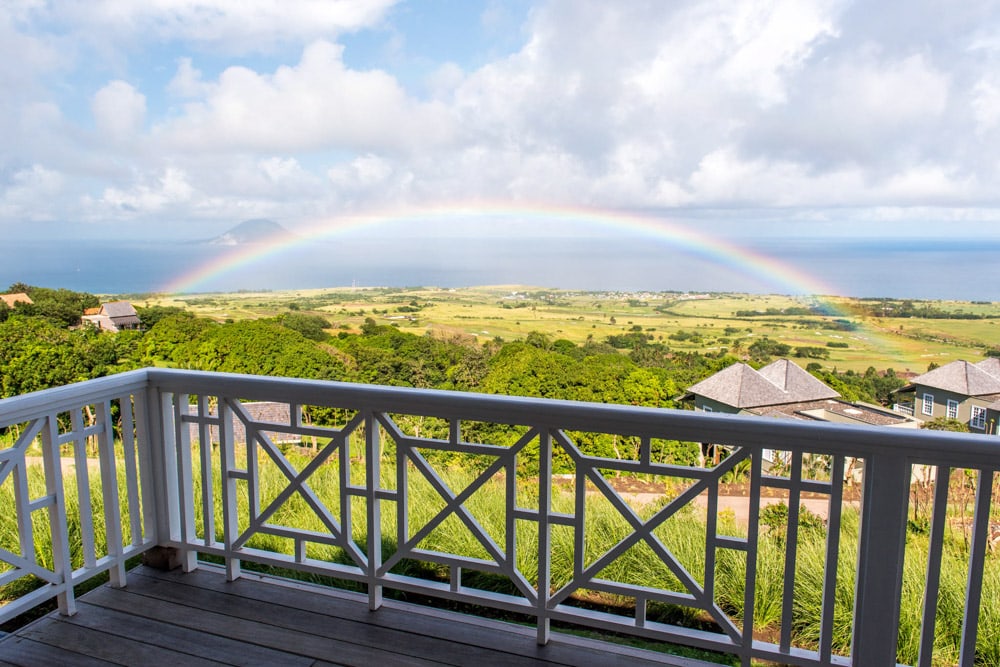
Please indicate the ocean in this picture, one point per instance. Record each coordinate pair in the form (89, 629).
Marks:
(959, 270)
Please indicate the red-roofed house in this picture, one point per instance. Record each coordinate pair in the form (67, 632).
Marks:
(18, 297)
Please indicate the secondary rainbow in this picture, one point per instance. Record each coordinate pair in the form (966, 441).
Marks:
(782, 276)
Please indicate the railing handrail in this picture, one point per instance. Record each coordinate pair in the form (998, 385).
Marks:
(747, 430)
(19, 408)
(753, 431)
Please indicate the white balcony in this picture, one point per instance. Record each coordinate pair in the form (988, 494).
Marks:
(153, 462)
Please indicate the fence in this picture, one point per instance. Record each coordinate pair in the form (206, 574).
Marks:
(499, 502)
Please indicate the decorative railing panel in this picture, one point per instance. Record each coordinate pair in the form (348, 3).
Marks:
(85, 455)
(515, 504)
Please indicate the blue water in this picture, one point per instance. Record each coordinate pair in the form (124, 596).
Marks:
(908, 269)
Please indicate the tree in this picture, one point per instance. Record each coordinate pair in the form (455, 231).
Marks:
(763, 349)
(63, 307)
(36, 354)
(945, 424)
(311, 326)
(172, 339)
(264, 348)
(539, 340)
(153, 314)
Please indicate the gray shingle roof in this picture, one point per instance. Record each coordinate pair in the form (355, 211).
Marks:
(778, 383)
(796, 382)
(118, 309)
(991, 365)
(961, 377)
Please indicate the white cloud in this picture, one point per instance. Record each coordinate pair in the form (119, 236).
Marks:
(24, 57)
(187, 82)
(234, 25)
(927, 183)
(756, 105)
(30, 194)
(766, 41)
(986, 103)
(119, 110)
(315, 105)
(169, 188)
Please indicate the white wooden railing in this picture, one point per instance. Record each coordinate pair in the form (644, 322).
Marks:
(164, 469)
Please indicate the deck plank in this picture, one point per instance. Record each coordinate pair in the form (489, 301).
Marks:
(199, 618)
(255, 630)
(472, 632)
(200, 642)
(331, 628)
(24, 652)
(103, 646)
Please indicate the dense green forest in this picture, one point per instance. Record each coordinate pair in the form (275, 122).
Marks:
(43, 345)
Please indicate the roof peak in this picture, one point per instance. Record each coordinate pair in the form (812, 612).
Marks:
(963, 377)
(780, 382)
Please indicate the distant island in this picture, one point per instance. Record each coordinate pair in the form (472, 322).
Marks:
(257, 230)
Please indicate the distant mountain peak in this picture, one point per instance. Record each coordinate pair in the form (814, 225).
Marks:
(257, 230)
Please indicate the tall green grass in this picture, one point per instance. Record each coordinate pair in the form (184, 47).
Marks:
(10, 538)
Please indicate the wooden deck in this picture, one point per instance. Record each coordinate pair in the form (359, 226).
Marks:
(171, 618)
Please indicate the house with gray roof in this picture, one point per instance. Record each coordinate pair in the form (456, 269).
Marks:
(782, 389)
(113, 316)
(960, 390)
(740, 388)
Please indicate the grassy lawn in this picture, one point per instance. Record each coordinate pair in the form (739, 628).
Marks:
(720, 320)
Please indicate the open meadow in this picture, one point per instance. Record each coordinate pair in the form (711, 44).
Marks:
(836, 332)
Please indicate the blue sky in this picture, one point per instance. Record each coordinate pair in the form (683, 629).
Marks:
(756, 118)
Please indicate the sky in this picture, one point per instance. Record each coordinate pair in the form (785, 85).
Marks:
(771, 117)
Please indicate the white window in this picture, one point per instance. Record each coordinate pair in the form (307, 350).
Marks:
(705, 408)
(928, 406)
(978, 418)
(952, 409)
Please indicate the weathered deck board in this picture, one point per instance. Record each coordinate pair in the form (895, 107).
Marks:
(201, 619)
(172, 636)
(20, 651)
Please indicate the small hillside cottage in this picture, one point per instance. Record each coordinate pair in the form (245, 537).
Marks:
(114, 316)
(12, 299)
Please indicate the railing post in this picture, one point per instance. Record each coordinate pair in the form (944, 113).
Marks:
(230, 505)
(373, 472)
(545, 534)
(881, 548)
(109, 486)
(58, 523)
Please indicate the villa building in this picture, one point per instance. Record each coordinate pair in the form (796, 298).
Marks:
(964, 391)
(113, 316)
(784, 390)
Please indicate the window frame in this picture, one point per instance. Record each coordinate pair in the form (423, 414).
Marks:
(927, 404)
(953, 406)
(978, 420)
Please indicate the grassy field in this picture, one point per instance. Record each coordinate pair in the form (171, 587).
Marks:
(511, 312)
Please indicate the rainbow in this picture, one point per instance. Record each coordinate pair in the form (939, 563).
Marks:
(783, 277)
